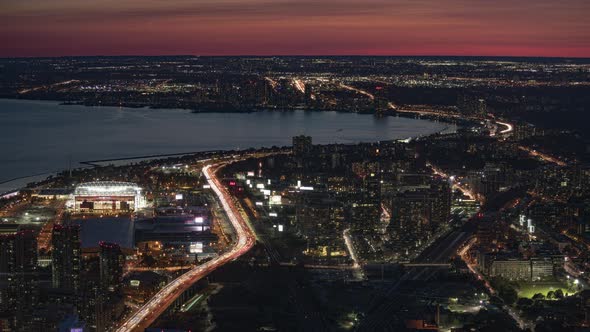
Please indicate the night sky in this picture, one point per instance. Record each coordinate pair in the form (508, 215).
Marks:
(295, 27)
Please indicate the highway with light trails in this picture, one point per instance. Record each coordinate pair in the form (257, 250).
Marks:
(149, 312)
(508, 127)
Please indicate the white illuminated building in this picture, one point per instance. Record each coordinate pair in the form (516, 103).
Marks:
(105, 196)
(530, 226)
(526, 223)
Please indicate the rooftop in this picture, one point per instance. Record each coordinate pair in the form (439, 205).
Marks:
(112, 230)
(107, 187)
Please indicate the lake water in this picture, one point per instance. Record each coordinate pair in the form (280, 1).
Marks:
(44, 136)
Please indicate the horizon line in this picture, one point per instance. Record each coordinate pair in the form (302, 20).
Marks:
(298, 55)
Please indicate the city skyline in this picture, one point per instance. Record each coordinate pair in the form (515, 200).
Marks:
(185, 193)
(294, 165)
(544, 28)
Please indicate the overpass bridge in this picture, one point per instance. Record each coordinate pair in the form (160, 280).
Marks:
(447, 265)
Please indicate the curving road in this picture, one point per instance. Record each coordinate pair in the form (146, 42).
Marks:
(149, 312)
(508, 127)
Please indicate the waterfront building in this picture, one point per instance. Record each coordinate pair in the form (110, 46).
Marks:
(106, 197)
(302, 145)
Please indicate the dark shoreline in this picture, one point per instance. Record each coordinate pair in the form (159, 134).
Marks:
(227, 109)
(94, 163)
(178, 156)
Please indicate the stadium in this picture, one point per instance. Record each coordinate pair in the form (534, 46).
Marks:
(107, 197)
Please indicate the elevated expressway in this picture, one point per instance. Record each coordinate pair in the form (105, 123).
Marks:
(150, 311)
